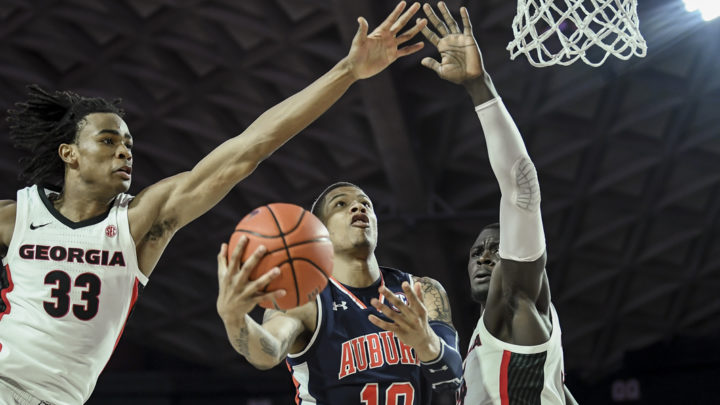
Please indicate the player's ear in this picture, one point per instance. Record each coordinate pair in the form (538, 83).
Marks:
(68, 153)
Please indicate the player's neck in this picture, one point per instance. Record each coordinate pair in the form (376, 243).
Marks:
(356, 271)
(78, 203)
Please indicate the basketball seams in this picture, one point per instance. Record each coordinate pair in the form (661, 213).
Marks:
(287, 250)
(305, 242)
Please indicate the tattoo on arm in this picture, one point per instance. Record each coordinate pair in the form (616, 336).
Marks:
(436, 300)
(241, 342)
(267, 346)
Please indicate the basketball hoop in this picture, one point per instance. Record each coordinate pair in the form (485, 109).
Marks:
(559, 32)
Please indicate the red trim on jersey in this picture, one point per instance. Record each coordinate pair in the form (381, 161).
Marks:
(504, 400)
(297, 384)
(3, 296)
(352, 296)
(133, 299)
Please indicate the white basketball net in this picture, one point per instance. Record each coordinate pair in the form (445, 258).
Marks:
(553, 32)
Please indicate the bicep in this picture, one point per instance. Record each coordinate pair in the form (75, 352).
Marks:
(435, 300)
(513, 280)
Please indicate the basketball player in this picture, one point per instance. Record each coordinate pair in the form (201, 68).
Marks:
(75, 252)
(373, 336)
(515, 354)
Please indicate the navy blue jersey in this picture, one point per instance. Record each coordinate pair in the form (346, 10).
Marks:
(351, 361)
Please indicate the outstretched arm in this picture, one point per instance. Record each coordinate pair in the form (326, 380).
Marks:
(163, 208)
(519, 276)
(266, 345)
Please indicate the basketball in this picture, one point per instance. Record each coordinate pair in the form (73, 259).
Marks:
(297, 242)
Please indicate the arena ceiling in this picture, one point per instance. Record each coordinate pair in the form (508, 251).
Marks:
(628, 154)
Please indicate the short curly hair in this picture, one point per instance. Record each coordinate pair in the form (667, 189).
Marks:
(43, 122)
(317, 205)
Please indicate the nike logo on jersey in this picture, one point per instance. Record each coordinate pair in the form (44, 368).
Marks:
(372, 351)
(34, 227)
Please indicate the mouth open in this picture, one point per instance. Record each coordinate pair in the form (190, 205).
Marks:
(360, 221)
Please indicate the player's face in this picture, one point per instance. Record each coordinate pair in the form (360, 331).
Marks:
(104, 156)
(483, 258)
(351, 221)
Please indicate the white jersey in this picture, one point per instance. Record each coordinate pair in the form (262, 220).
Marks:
(71, 288)
(499, 373)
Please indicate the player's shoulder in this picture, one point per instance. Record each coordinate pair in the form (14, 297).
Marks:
(429, 283)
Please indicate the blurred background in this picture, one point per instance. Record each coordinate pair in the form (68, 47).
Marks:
(628, 156)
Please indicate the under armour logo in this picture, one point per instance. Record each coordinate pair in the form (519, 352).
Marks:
(34, 227)
(342, 305)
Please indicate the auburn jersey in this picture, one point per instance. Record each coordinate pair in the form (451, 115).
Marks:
(351, 361)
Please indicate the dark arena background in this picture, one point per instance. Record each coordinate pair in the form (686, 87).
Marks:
(628, 156)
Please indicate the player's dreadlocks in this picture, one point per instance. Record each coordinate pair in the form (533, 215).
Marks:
(43, 122)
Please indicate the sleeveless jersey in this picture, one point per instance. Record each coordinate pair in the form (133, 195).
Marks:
(499, 373)
(70, 288)
(351, 361)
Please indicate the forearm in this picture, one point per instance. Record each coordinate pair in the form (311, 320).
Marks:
(257, 345)
(444, 371)
(522, 236)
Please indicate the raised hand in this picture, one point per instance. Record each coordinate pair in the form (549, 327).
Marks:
(409, 321)
(370, 54)
(460, 56)
(238, 295)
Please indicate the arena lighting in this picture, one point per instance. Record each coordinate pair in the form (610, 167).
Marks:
(709, 9)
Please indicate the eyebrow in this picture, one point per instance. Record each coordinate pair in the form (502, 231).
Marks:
(114, 132)
(336, 196)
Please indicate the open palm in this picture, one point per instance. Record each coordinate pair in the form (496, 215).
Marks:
(370, 54)
(460, 56)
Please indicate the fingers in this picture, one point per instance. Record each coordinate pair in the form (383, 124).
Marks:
(261, 284)
(393, 16)
(410, 49)
(420, 24)
(362, 28)
(414, 296)
(271, 296)
(432, 64)
(222, 262)
(402, 319)
(400, 23)
(251, 263)
(237, 253)
(467, 26)
(439, 25)
(389, 326)
(449, 20)
(430, 36)
(391, 297)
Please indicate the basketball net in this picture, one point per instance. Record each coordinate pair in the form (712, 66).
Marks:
(551, 32)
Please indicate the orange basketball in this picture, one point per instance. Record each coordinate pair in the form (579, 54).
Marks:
(297, 242)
